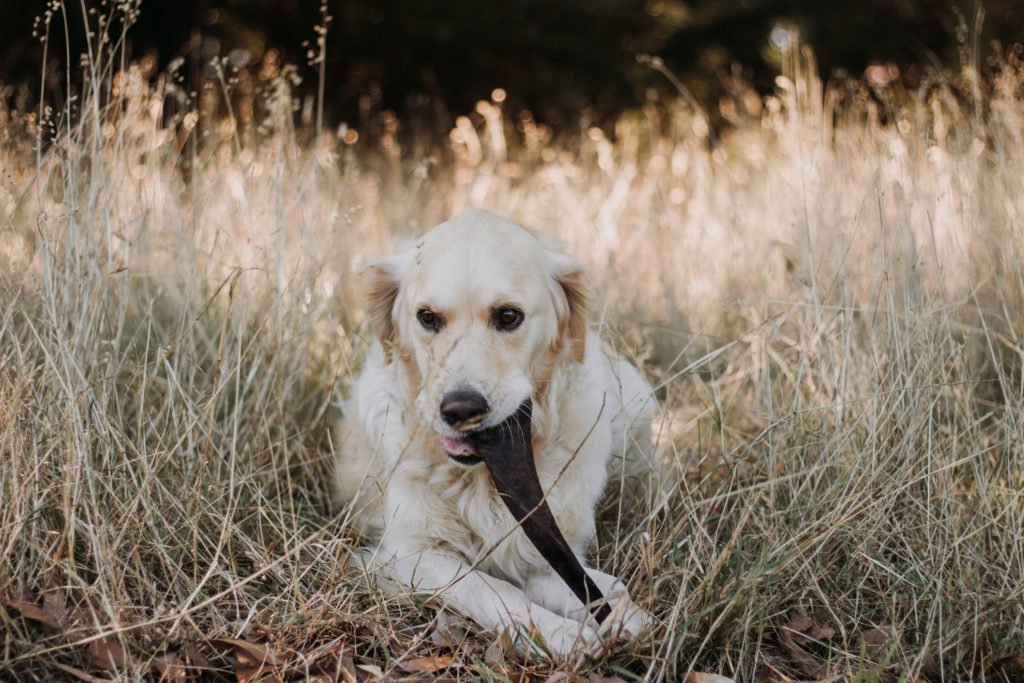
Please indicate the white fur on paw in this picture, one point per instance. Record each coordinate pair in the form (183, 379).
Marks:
(627, 619)
(637, 620)
(565, 638)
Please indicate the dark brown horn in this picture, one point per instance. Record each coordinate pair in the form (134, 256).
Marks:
(507, 451)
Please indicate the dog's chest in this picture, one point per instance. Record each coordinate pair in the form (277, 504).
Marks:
(489, 533)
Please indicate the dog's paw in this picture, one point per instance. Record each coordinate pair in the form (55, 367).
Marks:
(627, 620)
(572, 638)
(560, 638)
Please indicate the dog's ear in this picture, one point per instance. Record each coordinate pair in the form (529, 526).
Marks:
(572, 300)
(379, 286)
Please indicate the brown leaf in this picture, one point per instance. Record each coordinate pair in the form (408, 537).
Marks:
(248, 654)
(498, 653)
(197, 659)
(448, 631)
(801, 623)
(426, 665)
(168, 668)
(56, 605)
(789, 635)
(245, 673)
(33, 612)
(372, 669)
(697, 677)
(805, 625)
(930, 665)
(875, 641)
(108, 653)
(822, 632)
(346, 670)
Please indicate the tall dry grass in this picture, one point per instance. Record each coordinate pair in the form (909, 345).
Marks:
(830, 299)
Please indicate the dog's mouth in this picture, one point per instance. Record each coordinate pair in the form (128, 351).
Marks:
(461, 450)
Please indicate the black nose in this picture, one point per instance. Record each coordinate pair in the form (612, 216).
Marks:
(462, 406)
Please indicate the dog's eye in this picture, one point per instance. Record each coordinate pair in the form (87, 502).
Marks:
(508, 318)
(429, 319)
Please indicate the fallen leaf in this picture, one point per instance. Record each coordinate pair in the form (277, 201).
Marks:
(345, 671)
(168, 667)
(108, 653)
(805, 625)
(697, 677)
(801, 622)
(788, 636)
(33, 612)
(598, 678)
(557, 677)
(875, 641)
(426, 665)
(930, 665)
(448, 631)
(197, 659)
(497, 654)
(245, 673)
(248, 654)
(55, 604)
(371, 669)
(821, 631)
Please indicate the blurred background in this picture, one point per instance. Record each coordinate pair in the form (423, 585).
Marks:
(562, 61)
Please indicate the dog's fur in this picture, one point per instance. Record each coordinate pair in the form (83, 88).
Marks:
(440, 524)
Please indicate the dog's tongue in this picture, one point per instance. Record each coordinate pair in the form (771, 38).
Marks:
(507, 451)
(457, 447)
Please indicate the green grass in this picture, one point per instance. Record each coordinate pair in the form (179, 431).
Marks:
(830, 300)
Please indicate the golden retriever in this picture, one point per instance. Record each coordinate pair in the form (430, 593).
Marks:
(477, 317)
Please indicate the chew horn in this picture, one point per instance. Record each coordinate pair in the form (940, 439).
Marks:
(507, 451)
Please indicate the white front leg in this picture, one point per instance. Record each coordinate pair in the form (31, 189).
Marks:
(627, 618)
(490, 602)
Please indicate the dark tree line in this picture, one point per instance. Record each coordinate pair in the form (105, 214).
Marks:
(558, 58)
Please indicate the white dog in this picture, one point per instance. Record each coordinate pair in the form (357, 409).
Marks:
(477, 317)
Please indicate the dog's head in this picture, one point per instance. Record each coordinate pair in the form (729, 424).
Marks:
(479, 311)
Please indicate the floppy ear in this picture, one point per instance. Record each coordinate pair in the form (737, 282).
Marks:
(379, 282)
(572, 301)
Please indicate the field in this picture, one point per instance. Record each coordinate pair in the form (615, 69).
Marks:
(828, 293)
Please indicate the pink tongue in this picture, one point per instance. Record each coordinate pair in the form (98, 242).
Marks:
(457, 446)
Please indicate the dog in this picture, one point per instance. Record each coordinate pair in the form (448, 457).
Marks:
(474, 319)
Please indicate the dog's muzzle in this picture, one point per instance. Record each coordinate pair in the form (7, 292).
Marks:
(463, 410)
